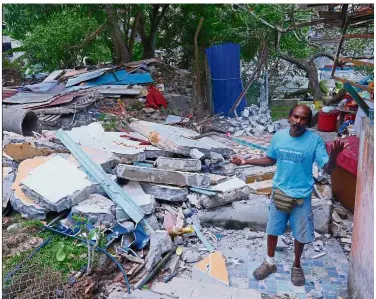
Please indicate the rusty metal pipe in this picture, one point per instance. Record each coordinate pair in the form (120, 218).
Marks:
(20, 121)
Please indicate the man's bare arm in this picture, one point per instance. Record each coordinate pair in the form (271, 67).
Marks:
(265, 161)
(338, 147)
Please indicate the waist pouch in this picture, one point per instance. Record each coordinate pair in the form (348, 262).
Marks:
(285, 203)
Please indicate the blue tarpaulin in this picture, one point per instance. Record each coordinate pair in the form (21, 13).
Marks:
(224, 64)
(120, 78)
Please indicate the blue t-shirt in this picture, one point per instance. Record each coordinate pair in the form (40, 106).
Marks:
(295, 157)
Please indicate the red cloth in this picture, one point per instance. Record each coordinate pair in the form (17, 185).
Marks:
(155, 99)
(348, 159)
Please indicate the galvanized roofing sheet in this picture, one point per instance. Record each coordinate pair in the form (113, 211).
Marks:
(29, 97)
(84, 77)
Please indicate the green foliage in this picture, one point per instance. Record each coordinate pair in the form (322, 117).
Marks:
(324, 87)
(279, 112)
(63, 251)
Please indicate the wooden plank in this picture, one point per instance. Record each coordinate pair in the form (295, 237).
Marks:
(363, 87)
(259, 177)
(356, 62)
(359, 35)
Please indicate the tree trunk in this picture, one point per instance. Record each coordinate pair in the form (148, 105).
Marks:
(121, 51)
(314, 81)
(148, 45)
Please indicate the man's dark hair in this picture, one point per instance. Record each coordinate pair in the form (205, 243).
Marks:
(309, 114)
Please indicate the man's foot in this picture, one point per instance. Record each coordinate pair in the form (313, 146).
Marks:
(264, 271)
(297, 277)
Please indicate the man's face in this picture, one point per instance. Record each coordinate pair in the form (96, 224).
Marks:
(299, 120)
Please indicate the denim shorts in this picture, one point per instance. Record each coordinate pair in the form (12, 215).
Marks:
(300, 218)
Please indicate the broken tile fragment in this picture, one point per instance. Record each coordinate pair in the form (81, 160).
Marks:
(211, 270)
(160, 243)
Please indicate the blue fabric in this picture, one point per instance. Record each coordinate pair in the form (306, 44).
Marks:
(295, 157)
(224, 64)
(300, 218)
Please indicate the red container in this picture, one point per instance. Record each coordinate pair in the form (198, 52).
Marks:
(327, 121)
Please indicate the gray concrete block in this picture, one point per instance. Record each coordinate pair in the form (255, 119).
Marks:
(231, 190)
(196, 154)
(164, 192)
(178, 164)
(322, 211)
(96, 208)
(160, 243)
(161, 176)
(252, 213)
(28, 210)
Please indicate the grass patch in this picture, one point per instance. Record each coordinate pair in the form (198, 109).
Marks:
(280, 112)
(46, 257)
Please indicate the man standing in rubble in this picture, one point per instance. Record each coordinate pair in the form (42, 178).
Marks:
(293, 150)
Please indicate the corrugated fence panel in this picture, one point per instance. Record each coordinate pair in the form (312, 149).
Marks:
(224, 64)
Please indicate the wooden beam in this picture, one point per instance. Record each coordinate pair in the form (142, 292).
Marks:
(363, 87)
(356, 62)
(358, 35)
(361, 103)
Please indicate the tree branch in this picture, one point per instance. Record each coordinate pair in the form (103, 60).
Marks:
(134, 32)
(90, 37)
(321, 54)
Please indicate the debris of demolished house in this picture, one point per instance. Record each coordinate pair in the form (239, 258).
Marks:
(177, 183)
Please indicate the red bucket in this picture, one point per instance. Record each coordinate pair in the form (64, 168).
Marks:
(327, 121)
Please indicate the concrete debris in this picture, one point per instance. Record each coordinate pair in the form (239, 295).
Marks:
(196, 154)
(315, 294)
(281, 245)
(346, 240)
(325, 191)
(318, 255)
(194, 200)
(153, 222)
(191, 256)
(224, 170)
(179, 164)
(107, 160)
(160, 243)
(262, 187)
(14, 227)
(67, 185)
(230, 191)
(216, 158)
(161, 176)
(96, 208)
(166, 193)
(177, 140)
(322, 214)
(336, 217)
(8, 178)
(216, 178)
(250, 235)
(145, 201)
(318, 245)
(252, 213)
(19, 200)
(20, 148)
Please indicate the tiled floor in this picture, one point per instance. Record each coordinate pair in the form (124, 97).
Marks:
(327, 273)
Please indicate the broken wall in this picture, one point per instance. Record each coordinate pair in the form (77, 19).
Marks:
(361, 263)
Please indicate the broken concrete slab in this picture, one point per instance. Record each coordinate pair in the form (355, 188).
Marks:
(145, 201)
(161, 176)
(178, 164)
(211, 270)
(252, 213)
(107, 160)
(164, 192)
(229, 191)
(190, 256)
(196, 154)
(8, 178)
(216, 178)
(57, 185)
(322, 210)
(194, 200)
(216, 158)
(20, 148)
(160, 243)
(177, 139)
(96, 208)
(225, 170)
(19, 200)
(262, 187)
(152, 220)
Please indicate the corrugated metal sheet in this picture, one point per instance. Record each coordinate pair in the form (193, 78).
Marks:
(136, 79)
(107, 78)
(84, 77)
(118, 90)
(224, 64)
(53, 76)
(7, 93)
(46, 87)
(29, 97)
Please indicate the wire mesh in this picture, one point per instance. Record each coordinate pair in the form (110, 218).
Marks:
(35, 281)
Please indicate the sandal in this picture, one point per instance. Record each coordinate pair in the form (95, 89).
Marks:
(297, 277)
(264, 270)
